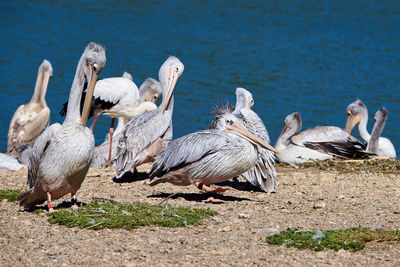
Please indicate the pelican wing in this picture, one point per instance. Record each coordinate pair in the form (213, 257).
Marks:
(343, 149)
(39, 151)
(320, 134)
(26, 125)
(139, 133)
(187, 149)
(263, 173)
(331, 140)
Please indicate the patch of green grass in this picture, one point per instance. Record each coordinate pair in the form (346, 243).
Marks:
(353, 239)
(372, 165)
(98, 215)
(10, 195)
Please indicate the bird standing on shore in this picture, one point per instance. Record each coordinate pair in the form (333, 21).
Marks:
(263, 173)
(357, 113)
(62, 154)
(209, 156)
(30, 120)
(149, 92)
(144, 136)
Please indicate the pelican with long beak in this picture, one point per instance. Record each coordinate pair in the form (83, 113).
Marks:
(357, 113)
(209, 156)
(31, 119)
(62, 154)
(143, 137)
(318, 143)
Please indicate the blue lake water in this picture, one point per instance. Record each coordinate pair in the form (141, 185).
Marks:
(314, 57)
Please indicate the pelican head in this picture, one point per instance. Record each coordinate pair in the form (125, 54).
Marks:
(150, 90)
(94, 58)
(356, 113)
(169, 73)
(229, 123)
(46, 67)
(381, 115)
(292, 126)
(244, 99)
(44, 73)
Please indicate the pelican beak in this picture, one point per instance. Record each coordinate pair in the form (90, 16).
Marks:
(173, 78)
(91, 76)
(45, 81)
(239, 130)
(351, 122)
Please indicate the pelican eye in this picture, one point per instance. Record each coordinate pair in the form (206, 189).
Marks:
(348, 113)
(177, 69)
(230, 122)
(94, 66)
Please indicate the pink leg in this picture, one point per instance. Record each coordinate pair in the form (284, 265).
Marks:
(74, 201)
(94, 121)
(111, 137)
(215, 200)
(49, 206)
(208, 189)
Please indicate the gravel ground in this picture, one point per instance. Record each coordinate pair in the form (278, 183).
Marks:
(305, 199)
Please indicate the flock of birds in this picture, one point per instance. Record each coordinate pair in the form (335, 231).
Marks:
(236, 141)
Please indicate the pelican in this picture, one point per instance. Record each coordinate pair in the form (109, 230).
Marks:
(62, 154)
(209, 156)
(263, 173)
(357, 113)
(379, 124)
(319, 143)
(30, 120)
(144, 135)
(120, 97)
(149, 92)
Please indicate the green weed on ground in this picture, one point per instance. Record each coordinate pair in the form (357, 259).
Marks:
(353, 239)
(10, 195)
(98, 215)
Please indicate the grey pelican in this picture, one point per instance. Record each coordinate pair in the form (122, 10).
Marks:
(319, 143)
(209, 156)
(30, 120)
(62, 154)
(144, 135)
(357, 113)
(263, 173)
(149, 92)
(379, 124)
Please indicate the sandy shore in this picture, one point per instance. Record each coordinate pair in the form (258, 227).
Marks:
(305, 199)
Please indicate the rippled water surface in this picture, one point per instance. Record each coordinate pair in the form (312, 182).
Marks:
(314, 57)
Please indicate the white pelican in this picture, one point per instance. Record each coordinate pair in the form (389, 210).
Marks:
(319, 143)
(30, 120)
(149, 92)
(120, 97)
(143, 136)
(209, 156)
(62, 154)
(357, 113)
(263, 173)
